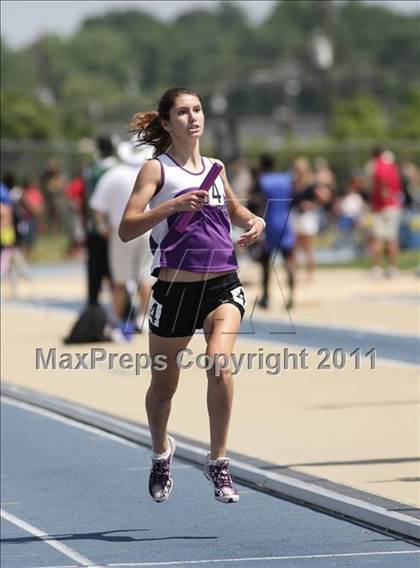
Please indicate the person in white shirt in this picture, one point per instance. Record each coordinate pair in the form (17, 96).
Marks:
(128, 261)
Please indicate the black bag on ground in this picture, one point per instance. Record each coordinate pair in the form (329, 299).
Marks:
(90, 327)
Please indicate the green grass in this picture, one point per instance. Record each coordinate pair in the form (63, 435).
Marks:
(50, 249)
(408, 260)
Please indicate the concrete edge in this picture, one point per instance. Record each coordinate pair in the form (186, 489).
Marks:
(280, 485)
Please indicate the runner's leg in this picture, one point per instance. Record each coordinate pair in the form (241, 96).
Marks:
(220, 327)
(162, 387)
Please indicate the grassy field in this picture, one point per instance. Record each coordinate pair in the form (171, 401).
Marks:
(51, 249)
(408, 260)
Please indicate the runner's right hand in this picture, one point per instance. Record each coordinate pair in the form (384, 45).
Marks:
(192, 200)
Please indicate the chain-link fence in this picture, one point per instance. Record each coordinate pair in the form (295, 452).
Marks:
(28, 158)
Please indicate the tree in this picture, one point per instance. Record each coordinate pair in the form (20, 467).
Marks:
(123, 60)
(25, 117)
(361, 117)
(376, 49)
(290, 25)
(18, 69)
(407, 118)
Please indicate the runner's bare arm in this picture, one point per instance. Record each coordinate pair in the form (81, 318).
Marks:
(136, 221)
(240, 215)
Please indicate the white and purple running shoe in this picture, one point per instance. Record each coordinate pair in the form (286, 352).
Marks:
(160, 480)
(218, 473)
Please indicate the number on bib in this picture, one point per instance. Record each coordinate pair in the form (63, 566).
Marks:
(155, 313)
(215, 197)
(238, 295)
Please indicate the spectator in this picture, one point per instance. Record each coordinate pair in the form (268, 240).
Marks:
(324, 176)
(52, 187)
(17, 263)
(349, 209)
(74, 192)
(307, 197)
(384, 182)
(32, 205)
(128, 261)
(276, 187)
(7, 231)
(96, 244)
(410, 178)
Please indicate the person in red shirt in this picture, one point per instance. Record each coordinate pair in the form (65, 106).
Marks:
(386, 202)
(74, 192)
(32, 203)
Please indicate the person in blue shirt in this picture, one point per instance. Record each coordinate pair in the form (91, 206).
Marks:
(276, 189)
(4, 195)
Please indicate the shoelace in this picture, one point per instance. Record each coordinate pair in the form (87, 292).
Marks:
(160, 471)
(221, 475)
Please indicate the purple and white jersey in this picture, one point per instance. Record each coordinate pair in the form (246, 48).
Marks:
(206, 243)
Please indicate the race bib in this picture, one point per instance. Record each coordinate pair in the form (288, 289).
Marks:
(238, 295)
(216, 197)
(155, 313)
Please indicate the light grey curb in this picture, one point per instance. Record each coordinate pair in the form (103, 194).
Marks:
(281, 485)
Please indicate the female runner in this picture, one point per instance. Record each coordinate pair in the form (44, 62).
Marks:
(198, 286)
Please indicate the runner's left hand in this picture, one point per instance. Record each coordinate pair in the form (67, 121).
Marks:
(253, 234)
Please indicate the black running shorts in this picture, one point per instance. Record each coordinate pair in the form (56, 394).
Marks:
(179, 308)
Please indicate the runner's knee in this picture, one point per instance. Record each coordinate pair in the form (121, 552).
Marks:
(162, 392)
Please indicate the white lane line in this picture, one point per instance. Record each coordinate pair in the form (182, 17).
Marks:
(257, 559)
(265, 558)
(147, 468)
(64, 549)
(65, 420)
(281, 484)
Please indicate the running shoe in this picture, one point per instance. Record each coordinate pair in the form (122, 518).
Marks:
(218, 473)
(160, 481)
(128, 330)
(122, 332)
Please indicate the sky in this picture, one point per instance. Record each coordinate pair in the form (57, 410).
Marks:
(23, 21)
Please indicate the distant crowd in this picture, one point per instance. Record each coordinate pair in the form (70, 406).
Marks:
(380, 189)
(298, 203)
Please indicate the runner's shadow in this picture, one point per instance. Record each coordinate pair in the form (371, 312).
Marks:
(106, 536)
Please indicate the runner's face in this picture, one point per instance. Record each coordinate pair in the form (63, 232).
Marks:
(186, 118)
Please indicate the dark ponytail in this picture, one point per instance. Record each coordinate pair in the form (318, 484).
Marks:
(147, 126)
(148, 130)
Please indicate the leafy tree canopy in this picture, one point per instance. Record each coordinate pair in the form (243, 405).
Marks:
(125, 56)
